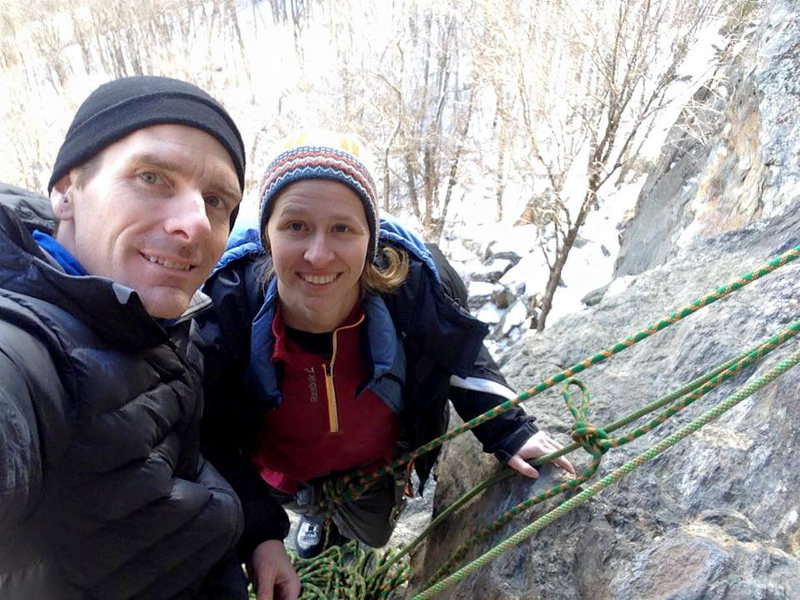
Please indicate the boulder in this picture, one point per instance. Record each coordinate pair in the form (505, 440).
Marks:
(504, 297)
(508, 249)
(492, 270)
(515, 317)
(490, 314)
(479, 293)
(595, 296)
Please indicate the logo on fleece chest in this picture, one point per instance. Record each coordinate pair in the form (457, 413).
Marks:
(311, 381)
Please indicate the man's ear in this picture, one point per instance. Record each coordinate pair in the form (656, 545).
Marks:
(60, 198)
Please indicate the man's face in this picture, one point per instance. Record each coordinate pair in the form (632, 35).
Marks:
(155, 215)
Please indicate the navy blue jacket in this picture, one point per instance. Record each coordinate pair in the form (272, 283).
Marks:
(103, 492)
(420, 346)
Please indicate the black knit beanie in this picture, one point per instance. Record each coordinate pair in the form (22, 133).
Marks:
(120, 107)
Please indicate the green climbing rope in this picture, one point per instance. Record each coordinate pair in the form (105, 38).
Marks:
(596, 442)
(760, 351)
(612, 477)
(340, 573)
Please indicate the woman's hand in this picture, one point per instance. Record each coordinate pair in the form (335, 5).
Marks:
(538, 445)
(272, 572)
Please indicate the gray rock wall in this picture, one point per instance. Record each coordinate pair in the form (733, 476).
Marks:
(734, 154)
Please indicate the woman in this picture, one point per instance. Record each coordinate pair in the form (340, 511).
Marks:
(336, 342)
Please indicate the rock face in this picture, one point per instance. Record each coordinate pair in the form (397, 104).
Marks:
(734, 155)
(718, 515)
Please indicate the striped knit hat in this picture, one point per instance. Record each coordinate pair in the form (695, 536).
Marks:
(320, 155)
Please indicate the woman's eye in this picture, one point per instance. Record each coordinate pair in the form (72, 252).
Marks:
(341, 228)
(149, 177)
(295, 226)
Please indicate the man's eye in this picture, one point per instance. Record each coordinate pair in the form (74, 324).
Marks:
(148, 177)
(214, 201)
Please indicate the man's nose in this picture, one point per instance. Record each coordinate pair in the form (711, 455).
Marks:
(187, 216)
(319, 249)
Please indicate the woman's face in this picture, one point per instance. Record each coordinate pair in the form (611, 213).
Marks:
(318, 235)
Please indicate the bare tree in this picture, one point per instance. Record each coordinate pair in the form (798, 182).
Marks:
(608, 70)
(48, 48)
(431, 100)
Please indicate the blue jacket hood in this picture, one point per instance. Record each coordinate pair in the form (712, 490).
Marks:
(386, 352)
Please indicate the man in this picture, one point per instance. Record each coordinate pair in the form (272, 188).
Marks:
(103, 492)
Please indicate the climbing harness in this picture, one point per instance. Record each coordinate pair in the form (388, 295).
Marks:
(351, 573)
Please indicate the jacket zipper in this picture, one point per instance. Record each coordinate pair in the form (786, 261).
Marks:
(330, 390)
(333, 409)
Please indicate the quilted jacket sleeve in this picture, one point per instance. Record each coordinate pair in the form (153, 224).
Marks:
(484, 387)
(32, 421)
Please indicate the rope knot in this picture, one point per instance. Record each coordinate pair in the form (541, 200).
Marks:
(590, 437)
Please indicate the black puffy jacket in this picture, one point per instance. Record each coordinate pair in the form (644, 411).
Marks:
(103, 492)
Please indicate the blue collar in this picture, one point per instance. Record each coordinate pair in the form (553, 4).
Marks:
(70, 264)
(61, 255)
